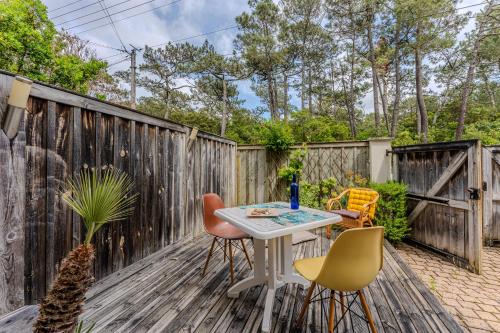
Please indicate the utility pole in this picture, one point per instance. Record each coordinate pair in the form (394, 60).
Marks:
(133, 75)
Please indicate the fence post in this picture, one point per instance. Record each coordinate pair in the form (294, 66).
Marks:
(380, 159)
(12, 218)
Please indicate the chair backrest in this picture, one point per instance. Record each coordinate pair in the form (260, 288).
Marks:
(211, 202)
(360, 196)
(354, 259)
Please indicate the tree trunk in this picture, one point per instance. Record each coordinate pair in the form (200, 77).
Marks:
(309, 91)
(60, 308)
(270, 91)
(285, 96)
(397, 69)
(302, 85)
(224, 107)
(383, 97)
(419, 122)
(419, 89)
(332, 78)
(467, 87)
(375, 85)
(489, 91)
(167, 104)
(352, 115)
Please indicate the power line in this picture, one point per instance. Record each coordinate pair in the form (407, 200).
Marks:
(118, 12)
(103, 5)
(105, 46)
(128, 17)
(96, 12)
(119, 62)
(112, 56)
(64, 6)
(75, 10)
(195, 36)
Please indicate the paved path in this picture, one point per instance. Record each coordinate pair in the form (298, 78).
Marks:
(474, 300)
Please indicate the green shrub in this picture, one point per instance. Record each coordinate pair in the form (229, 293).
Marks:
(277, 136)
(316, 195)
(391, 210)
(295, 165)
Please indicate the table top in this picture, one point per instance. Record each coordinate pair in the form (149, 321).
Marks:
(288, 221)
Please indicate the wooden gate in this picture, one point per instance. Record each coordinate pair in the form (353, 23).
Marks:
(445, 198)
(491, 211)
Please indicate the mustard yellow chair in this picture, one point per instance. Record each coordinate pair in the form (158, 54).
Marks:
(352, 262)
(360, 209)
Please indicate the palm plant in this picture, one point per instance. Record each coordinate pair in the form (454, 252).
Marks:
(98, 198)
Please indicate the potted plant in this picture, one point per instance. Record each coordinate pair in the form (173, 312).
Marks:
(99, 198)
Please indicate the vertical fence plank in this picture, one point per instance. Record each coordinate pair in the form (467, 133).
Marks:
(77, 166)
(51, 193)
(36, 214)
(13, 238)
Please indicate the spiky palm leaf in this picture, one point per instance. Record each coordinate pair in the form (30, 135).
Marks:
(100, 197)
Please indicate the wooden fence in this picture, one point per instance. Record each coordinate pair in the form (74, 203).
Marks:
(445, 213)
(257, 169)
(63, 133)
(491, 211)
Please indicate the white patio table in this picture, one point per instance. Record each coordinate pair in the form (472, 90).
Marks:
(278, 234)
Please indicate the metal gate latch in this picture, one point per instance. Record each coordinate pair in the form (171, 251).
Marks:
(473, 193)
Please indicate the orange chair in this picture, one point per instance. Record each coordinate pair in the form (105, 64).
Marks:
(221, 230)
(360, 210)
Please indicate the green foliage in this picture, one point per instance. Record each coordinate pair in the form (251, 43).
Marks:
(317, 128)
(72, 72)
(487, 132)
(295, 165)
(100, 198)
(391, 210)
(26, 38)
(276, 136)
(81, 329)
(316, 195)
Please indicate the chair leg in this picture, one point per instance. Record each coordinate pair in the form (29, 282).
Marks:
(225, 246)
(246, 253)
(342, 304)
(305, 305)
(367, 311)
(231, 261)
(208, 257)
(331, 313)
(328, 231)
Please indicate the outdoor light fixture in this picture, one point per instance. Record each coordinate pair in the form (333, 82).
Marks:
(18, 98)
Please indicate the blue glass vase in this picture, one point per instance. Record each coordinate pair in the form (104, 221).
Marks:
(294, 193)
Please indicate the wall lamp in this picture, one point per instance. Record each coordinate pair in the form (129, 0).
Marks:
(18, 99)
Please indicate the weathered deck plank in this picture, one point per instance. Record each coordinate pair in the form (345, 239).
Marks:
(166, 293)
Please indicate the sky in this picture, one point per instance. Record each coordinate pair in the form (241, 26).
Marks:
(160, 21)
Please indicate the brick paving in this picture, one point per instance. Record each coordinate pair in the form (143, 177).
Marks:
(474, 300)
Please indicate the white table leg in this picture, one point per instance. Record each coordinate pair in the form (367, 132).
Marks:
(272, 284)
(259, 273)
(287, 271)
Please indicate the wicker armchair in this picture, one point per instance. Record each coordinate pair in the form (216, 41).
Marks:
(360, 209)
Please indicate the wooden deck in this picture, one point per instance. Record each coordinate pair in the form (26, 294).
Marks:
(165, 293)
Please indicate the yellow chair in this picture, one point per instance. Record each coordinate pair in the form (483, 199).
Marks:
(360, 209)
(352, 262)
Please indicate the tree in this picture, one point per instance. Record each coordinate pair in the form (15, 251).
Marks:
(161, 71)
(98, 199)
(432, 25)
(216, 83)
(26, 38)
(259, 45)
(486, 21)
